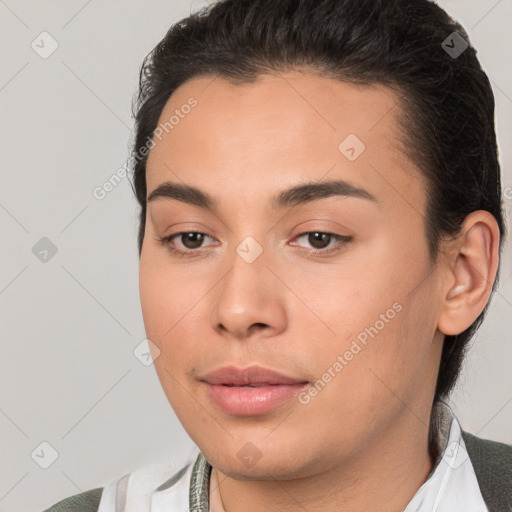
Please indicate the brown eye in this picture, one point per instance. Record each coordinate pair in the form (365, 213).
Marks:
(320, 241)
(192, 240)
(185, 243)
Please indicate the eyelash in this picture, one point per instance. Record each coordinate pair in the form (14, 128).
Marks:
(166, 241)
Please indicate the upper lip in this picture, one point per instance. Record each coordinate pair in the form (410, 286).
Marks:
(231, 375)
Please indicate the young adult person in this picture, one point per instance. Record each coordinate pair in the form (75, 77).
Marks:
(320, 232)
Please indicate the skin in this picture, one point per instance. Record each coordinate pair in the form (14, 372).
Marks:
(360, 443)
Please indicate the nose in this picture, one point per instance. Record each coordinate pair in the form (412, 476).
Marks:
(250, 300)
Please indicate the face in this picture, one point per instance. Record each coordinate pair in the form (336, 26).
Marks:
(331, 288)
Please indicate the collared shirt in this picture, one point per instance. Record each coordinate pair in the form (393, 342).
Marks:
(186, 485)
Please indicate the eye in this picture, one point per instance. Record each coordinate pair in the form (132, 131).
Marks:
(193, 240)
(321, 241)
(190, 240)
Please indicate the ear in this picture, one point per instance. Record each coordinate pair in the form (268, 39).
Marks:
(472, 267)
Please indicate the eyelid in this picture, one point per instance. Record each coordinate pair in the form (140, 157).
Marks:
(320, 227)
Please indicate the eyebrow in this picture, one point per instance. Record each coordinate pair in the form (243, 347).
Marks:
(294, 196)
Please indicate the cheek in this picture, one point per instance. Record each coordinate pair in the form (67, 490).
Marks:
(161, 308)
(377, 318)
(173, 310)
(164, 316)
(356, 293)
(166, 291)
(152, 298)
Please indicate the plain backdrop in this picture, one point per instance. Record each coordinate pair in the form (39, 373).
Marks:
(70, 308)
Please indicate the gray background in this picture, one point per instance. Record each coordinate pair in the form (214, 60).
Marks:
(69, 325)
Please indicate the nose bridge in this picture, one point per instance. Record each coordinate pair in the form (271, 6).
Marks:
(246, 280)
(247, 294)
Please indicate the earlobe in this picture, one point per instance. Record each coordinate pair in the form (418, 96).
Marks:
(473, 268)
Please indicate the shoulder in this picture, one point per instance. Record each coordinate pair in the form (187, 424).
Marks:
(493, 452)
(492, 463)
(87, 501)
(165, 480)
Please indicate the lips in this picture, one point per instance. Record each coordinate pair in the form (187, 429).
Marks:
(252, 376)
(249, 391)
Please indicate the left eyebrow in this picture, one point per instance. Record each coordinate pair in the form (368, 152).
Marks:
(294, 196)
(307, 192)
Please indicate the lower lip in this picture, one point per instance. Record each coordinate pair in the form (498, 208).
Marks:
(249, 401)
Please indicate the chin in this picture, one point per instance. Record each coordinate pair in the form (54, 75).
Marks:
(276, 466)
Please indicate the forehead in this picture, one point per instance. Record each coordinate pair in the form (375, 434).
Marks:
(282, 129)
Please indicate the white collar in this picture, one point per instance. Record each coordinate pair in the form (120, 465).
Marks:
(452, 485)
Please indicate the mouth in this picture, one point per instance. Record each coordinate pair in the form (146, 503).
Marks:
(253, 376)
(252, 385)
(250, 391)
